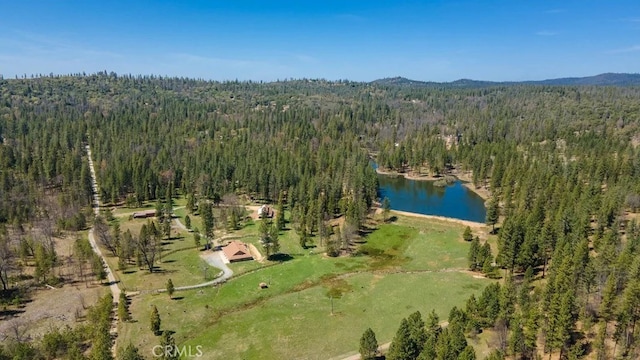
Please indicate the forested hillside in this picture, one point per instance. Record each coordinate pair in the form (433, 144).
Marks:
(562, 165)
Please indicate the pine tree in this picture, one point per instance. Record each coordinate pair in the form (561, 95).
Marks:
(123, 308)
(386, 208)
(402, 348)
(368, 345)
(130, 353)
(170, 288)
(196, 239)
(493, 214)
(168, 344)
(155, 321)
(472, 256)
(191, 202)
(187, 222)
(418, 332)
(206, 212)
(600, 341)
(516, 339)
(530, 331)
(496, 354)
(269, 237)
(487, 267)
(443, 349)
(457, 340)
(467, 235)
(508, 297)
(280, 220)
(467, 354)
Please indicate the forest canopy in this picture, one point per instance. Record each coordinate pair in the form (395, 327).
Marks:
(562, 163)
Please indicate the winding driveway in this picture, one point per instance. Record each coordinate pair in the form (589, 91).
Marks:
(214, 259)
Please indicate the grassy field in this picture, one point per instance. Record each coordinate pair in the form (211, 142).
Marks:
(180, 262)
(300, 324)
(411, 264)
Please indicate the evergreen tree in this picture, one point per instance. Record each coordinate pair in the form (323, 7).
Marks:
(170, 288)
(269, 237)
(457, 340)
(467, 354)
(280, 220)
(418, 333)
(123, 308)
(101, 346)
(496, 354)
(206, 212)
(467, 235)
(168, 344)
(493, 214)
(368, 345)
(196, 239)
(473, 255)
(402, 347)
(130, 353)
(516, 339)
(443, 348)
(191, 202)
(530, 331)
(386, 208)
(155, 321)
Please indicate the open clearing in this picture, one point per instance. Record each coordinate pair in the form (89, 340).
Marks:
(47, 308)
(408, 265)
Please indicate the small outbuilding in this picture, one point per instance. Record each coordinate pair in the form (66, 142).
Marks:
(265, 211)
(144, 214)
(237, 251)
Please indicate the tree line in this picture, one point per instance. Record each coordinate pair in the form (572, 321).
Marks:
(561, 164)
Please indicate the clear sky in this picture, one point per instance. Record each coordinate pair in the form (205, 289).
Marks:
(357, 40)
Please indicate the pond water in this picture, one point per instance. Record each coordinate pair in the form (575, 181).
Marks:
(422, 197)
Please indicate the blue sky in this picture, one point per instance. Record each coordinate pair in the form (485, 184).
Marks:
(356, 40)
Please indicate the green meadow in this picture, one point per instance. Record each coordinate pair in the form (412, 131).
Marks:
(315, 307)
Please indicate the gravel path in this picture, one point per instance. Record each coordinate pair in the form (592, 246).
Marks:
(113, 284)
(213, 258)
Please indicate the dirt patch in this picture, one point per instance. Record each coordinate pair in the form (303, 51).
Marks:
(257, 256)
(253, 209)
(471, 224)
(50, 309)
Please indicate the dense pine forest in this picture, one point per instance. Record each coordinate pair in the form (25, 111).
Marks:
(562, 165)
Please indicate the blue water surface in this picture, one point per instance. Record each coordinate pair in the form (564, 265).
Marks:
(422, 197)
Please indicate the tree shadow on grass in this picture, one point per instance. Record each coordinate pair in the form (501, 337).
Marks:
(159, 270)
(280, 257)
(109, 283)
(392, 219)
(177, 298)
(366, 230)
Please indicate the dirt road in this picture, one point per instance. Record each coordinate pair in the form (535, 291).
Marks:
(113, 284)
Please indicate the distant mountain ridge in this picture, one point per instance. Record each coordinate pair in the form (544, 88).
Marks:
(606, 79)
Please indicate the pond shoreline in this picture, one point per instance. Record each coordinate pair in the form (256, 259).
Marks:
(471, 224)
(464, 177)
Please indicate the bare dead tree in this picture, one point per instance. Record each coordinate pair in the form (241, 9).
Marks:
(103, 233)
(18, 330)
(7, 261)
